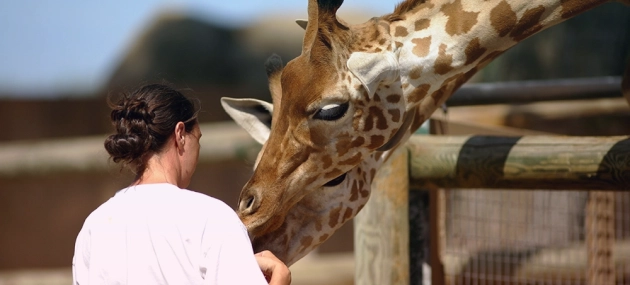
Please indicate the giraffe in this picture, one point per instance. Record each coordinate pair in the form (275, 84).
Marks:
(354, 95)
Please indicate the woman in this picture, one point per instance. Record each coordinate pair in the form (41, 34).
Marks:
(155, 231)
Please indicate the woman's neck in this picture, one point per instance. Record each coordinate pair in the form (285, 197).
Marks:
(161, 168)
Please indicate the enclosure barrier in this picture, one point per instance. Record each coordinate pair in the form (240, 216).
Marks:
(468, 162)
(220, 142)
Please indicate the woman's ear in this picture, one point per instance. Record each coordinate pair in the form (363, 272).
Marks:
(180, 131)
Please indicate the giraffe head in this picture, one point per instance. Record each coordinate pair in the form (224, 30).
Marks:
(337, 108)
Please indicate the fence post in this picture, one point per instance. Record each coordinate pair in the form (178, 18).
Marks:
(381, 229)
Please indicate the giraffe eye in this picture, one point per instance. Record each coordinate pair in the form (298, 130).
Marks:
(336, 181)
(331, 112)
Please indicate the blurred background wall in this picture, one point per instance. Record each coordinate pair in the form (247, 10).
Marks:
(209, 52)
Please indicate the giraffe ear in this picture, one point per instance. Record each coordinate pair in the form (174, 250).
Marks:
(374, 69)
(253, 115)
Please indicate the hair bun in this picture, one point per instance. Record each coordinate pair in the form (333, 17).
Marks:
(126, 147)
(131, 118)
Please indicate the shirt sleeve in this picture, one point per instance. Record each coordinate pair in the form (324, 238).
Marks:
(230, 257)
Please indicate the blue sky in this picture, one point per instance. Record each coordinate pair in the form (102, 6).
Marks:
(58, 46)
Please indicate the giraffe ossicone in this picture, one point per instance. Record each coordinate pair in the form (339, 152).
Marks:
(356, 93)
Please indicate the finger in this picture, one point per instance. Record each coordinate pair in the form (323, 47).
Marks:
(275, 271)
(266, 266)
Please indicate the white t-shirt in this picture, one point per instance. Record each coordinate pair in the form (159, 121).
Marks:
(161, 234)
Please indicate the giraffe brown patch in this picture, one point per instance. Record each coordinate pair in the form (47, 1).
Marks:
(342, 146)
(323, 238)
(443, 63)
(422, 45)
(395, 113)
(369, 124)
(376, 141)
(529, 24)
(376, 114)
(419, 93)
(405, 85)
(416, 72)
(306, 241)
(334, 217)
(502, 18)
(354, 192)
(382, 41)
(398, 44)
(571, 8)
(347, 214)
(394, 98)
(375, 35)
(422, 24)
(364, 192)
(366, 96)
(417, 122)
(354, 160)
(474, 50)
(459, 21)
(440, 93)
(359, 141)
(378, 49)
(401, 32)
(378, 98)
(326, 161)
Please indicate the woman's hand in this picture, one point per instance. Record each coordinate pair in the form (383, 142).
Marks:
(275, 271)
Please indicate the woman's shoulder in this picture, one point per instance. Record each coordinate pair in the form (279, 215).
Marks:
(204, 202)
(167, 194)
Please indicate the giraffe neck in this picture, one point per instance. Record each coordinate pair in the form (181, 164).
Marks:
(440, 44)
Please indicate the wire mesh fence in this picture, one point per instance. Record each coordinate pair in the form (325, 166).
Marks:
(536, 237)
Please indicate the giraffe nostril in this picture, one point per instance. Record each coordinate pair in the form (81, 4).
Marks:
(247, 204)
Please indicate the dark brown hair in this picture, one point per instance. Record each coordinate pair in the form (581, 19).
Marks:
(144, 120)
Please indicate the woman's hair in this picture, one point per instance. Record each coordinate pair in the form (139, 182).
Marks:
(144, 120)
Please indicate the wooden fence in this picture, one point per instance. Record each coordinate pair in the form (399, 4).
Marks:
(600, 164)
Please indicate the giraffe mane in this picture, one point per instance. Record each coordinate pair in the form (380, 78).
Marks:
(402, 8)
